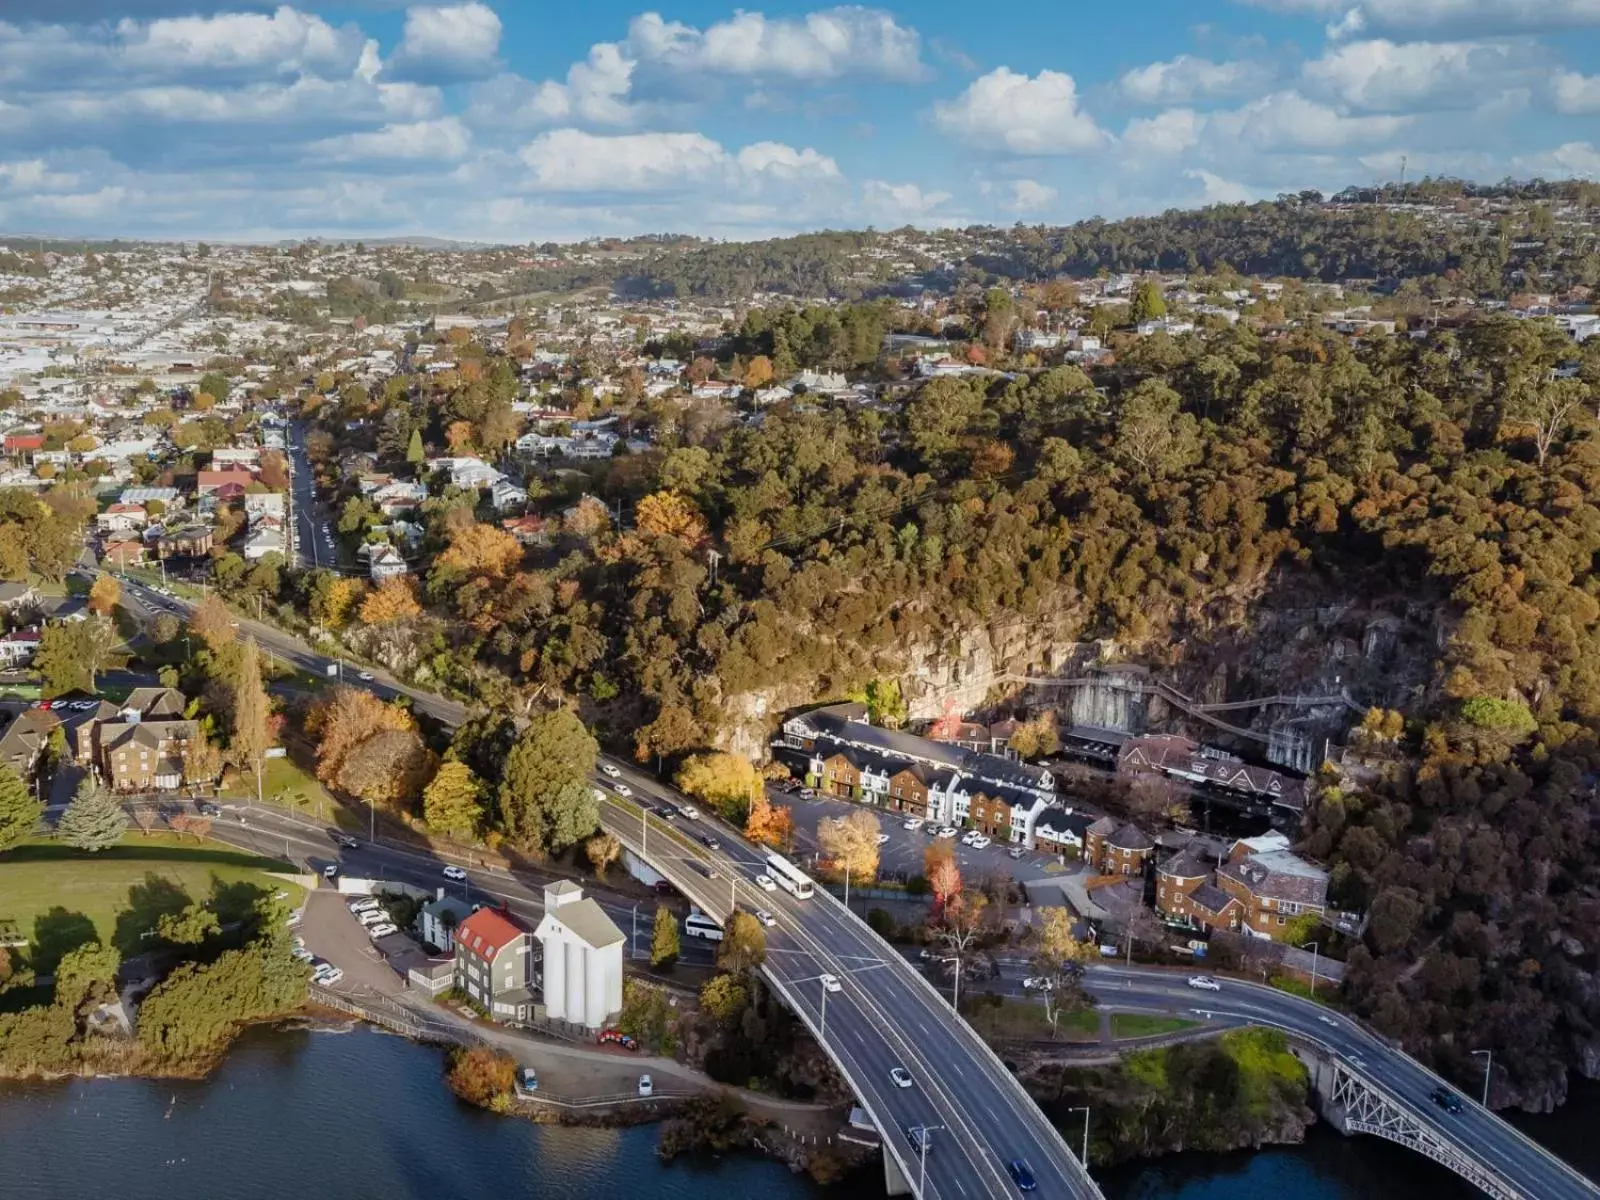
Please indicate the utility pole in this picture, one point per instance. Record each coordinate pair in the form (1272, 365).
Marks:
(1488, 1065)
(633, 942)
(823, 1032)
(1314, 947)
(1083, 1159)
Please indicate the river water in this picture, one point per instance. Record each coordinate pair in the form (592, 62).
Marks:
(365, 1116)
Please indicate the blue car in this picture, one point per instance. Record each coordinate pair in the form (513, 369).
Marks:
(1021, 1176)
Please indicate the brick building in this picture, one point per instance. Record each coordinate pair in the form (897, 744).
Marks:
(1114, 848)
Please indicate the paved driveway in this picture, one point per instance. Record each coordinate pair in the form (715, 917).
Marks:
(331, 932)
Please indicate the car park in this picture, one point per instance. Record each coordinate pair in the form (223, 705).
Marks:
(1204, 983)
(363, 903)
(646, 1086)
(1021, 1176)
(1446, 1100)
(764, 882)
(454, 872)
(766, 918)
(830, 983)
(901, 1077)
(372, 916)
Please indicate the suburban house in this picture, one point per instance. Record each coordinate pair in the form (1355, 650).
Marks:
(228, 482)
(18, 647)
(1272, 883)
(582, 958)
(25, 741)
(15, 597)
(991, 815)
(439, 918)
(935, 781)
(1060, 831)
(125, 554)
(122, 518)
(192, 541)
(494, 964)
(385, 563)
(1117, 848)
(1187, 895)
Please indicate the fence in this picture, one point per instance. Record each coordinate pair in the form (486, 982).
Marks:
(394, 1017)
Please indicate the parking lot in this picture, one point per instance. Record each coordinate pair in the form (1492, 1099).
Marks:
(333, 934)
(902, 854)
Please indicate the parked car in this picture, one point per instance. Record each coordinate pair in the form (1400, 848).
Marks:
(883, 839)
(981, 842)
(609, 771)
(529, 1081)
(766, 918)
(454, 872)
(901, 1077)
(949, 831)
(382, 930)
(301, 954)
(366, 677)
(646, 1087)
(1205, 983)
(331, 871)
(372, 916)
(764, 882)
(969, 837)
(364, 904)
(911, 826)
(830, 983)
(808, 793)
(1021, 1176)
(1017, 852)
(1446, 1100)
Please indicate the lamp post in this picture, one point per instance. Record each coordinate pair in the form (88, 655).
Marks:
(1083, 1158)
(633, 941)
(1488, 1065)
(922, 1180)
(1313, 947)
(822, 1032)
(847, 884)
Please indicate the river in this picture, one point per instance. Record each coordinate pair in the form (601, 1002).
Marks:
(364, 1116)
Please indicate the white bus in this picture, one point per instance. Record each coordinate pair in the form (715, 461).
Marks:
(698, 925)
(788, 876)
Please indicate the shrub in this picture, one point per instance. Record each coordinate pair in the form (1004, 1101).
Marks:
(481, 1075)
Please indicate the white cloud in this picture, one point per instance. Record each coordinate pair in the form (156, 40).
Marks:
(1022, 114)
(306, 100)
(1565, 161)
(444, 140)
(456, 41)
(1188, 78)
(1029, 196)
(819, 46)
(1164, 134)
(785, 162)
(1575, 94)
(571, 160)
(35, 175)
(287, 40)
(1217, 190)
(596, 92)
(1463, 16)
(1287, 121)
(1380, 74)
(899, 203)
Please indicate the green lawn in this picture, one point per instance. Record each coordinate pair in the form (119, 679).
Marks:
(1025, 1019)
(1138, 1025)
(56, 894)
(286, 783)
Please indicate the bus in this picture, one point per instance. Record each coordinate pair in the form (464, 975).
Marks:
(698, 925)
(788, 876)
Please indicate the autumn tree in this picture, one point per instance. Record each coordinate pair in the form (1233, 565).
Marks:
(1036, 738)
(349, 717)
(744, 943)
(851, 843)
(391, 602)
(939, 868)
(452, 803)
(960, 924)
(664, 941)
(104, 594)
(387, 769)
(481, 550)
(602, 849)
(1058, 957)
(212, 624)
(670, 514)
(202, 761)
(758, 372)
(726, 782)
(94, 820)
(724, 998)
(251, 709)
(770, 824)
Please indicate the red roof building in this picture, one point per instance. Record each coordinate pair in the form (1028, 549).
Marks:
(24, 443)
(494, 963)
(207, 482)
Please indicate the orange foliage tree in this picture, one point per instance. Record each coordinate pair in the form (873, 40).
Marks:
(943, 875)
(770, 824)
(482, 550)
(670, 514)
(349, 718)
(392, 601)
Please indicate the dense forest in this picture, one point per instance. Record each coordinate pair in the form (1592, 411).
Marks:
(1162, 506)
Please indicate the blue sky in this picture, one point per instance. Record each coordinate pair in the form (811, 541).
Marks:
(528, 120)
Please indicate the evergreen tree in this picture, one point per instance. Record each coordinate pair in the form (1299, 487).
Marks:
(94, 820)
(251, 737)
(19, 809)
(414, 452)
(664, 939)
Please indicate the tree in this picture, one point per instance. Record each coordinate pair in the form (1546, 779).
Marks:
(664, 944)
(72, 653)
(212, 623)
(202, 761)
(943, 875)
(252, 736)
(482, 1075)
(94, 820)
(602, 849)
(190, 927)
(1147, 303)
(1154, 438)
(452, 803)
(415, 454)
(85, 976)
(758, 372)
(1036, 738)
(104, 594)
(941, 414)
(770, 824)
(851, 842)
(1546, 408)
(19, 810)
(744, 943)
(387, 769)
(724, 998)
(959, 925)
(166, 629)
(391, 602)
(481, 550)
(546, 800)
(1058, 957)
(670, 514)
(728, 783)
(348, 718)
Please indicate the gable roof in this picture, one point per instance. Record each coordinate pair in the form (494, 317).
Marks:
(586, 920)
(488, 931)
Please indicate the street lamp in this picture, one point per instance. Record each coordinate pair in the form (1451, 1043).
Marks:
(1488, 1064)
(925, 1131)
(633, 941)
(1084, 1157)
(822, 1032)
(1313, 947)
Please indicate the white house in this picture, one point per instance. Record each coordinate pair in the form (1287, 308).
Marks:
(582, 957)
(385, 563)
(438, 919)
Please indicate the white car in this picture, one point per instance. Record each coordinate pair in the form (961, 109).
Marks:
(766, 918)
(331, 871)
(689, 811)
(326, 973)
(912, 825)
(301, 954)
(1038, 983)
(1205, 983)
(949, 831)
(1329, 1021)
(646, 1087)
(366, 904)
(830, 983)
(372, 916)
(883, 839)
(980, 842)
(764, 882)
(968, 837)
(382, 931)
(901, 1077)
(366, 677)
(622, 789)
(454, 872)
(609, 771)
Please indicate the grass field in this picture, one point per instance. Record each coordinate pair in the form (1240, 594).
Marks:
(56, 894)
(286, 783)
(1137, 1025)
(1025, 1019)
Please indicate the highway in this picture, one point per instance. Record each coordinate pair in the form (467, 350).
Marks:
(885, 1015)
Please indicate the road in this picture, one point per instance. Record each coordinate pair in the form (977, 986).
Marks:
(884, 1015)
(312, 546)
